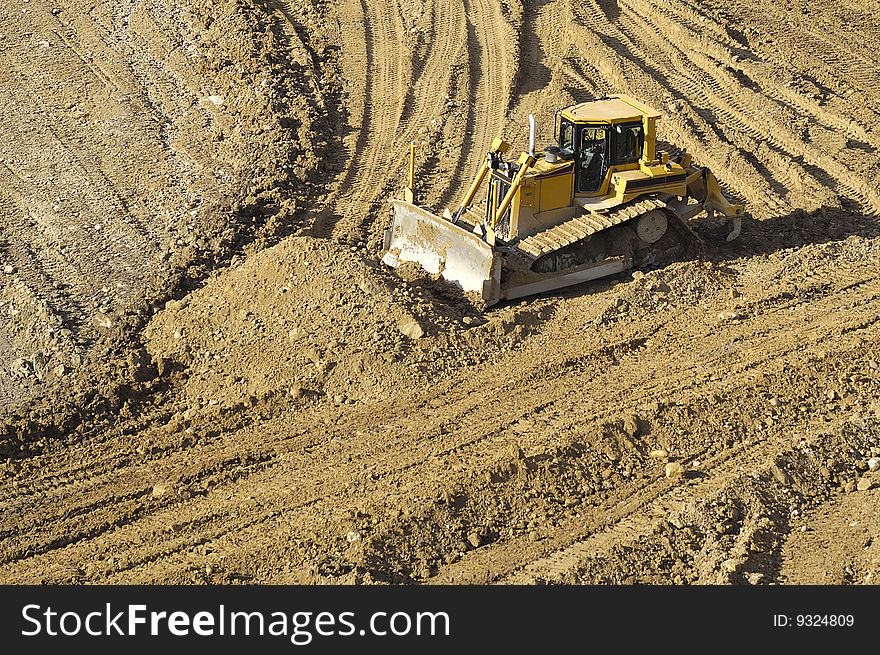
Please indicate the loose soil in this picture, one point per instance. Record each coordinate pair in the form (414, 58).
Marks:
(210, 378)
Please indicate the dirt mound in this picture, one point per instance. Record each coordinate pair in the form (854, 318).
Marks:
(316, 320)
(301, 319)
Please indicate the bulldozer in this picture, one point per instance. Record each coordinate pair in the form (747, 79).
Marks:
(600, 201)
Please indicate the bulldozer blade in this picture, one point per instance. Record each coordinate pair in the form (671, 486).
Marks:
(441, 247)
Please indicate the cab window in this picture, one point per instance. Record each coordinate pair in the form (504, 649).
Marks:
(627, 141)
(566, 138)
(591, 159)
(593, 140)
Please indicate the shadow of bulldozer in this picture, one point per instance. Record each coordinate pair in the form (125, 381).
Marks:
(794, 230)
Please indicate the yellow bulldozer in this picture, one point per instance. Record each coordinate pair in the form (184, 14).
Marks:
(600, 201)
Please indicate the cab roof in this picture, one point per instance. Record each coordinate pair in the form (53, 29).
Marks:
(611, 109)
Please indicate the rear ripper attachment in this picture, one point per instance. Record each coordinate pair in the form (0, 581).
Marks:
(598, 202)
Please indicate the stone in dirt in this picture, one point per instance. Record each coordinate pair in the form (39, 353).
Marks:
(725, 527)
(674, 470)
(411, 329)
(631, 426)
(102, 320)
(755, 578)
(780, 476)
(866, 483)
(730, 565)
(161, 489)
(22, 368)
(141, 366)
(474, 539)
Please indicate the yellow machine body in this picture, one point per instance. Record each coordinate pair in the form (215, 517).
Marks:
(546, 215)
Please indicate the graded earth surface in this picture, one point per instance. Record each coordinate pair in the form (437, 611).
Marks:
(209, 377)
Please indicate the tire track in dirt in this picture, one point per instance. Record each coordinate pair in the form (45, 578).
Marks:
(375, 74)
(252, 521)
(446, 45)
(618, 522)
(86, 228)
(255, 494)
(632, 512)
(661, 384)
(491, 64)
(828, 46)
(736, 104)
(399, 99)
(71, 274)
(42, 275)
(283, 492)
(695, 25)
(643, 512)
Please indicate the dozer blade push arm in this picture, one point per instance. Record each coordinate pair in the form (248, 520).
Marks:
(499, 146)
(525, 162)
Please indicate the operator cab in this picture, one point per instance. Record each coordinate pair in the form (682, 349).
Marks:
(599, 135)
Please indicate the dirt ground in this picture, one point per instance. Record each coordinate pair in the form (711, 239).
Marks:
(210, 378)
